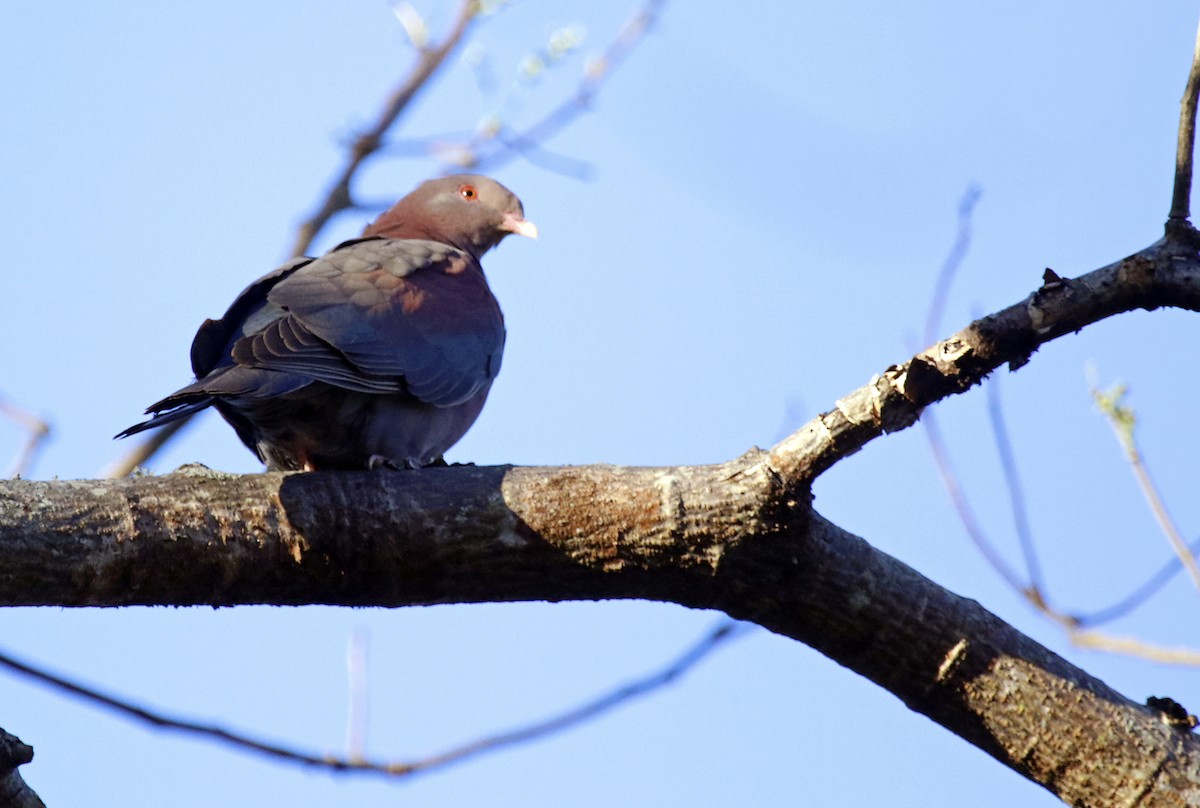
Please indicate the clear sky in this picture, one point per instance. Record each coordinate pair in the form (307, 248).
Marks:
(772, 194)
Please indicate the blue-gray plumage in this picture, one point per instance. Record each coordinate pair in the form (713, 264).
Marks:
(379, 353)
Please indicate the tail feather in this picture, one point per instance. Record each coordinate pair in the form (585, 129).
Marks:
(159, 419)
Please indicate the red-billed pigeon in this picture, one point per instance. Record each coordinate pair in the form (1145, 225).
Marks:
(380, 353)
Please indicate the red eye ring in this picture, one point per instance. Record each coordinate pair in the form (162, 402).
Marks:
(468, 192)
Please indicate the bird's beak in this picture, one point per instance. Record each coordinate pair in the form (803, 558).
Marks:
(515, 224)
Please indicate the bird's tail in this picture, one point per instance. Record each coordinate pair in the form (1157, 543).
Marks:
(161, 418)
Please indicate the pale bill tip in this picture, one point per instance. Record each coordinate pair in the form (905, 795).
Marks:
(521, 227)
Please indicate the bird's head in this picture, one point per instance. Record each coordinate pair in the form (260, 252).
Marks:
(468, 211)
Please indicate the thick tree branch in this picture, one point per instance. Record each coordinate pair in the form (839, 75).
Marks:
(739, 537)
(726, 537)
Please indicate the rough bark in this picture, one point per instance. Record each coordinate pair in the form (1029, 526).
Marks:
(740, 537)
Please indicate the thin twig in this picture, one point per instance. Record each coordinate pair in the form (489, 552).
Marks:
(1113, 644)
(1034, 592)
(524, 143)
(141, 453)
(713, 639)
(37, 429)
(1138, 596)
(725, 630)
(162, 720)
(537, 155)
(1130, 646)
(937, 446)
(339, 196)
(1123, 420)
(953, 262)
(496, 144)
(1184, 148)
(962, 505)
(1012, 480)
(1165, 522)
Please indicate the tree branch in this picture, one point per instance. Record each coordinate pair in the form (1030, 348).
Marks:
(1163, 274)
(526, 143)
(339, 196)
(357, 763)
(1122, 419)
(1035, 592)
(145, 449)
(726, 537)
(1181, 196)
(38, 430)
(739, 537)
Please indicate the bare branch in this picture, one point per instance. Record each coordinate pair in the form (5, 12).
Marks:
(1131, 646)
(962, 506)
(141, 453)
(1139, 595)
(1156, 276)
(1012, 482)
(1184, 148)
(339, 196)
(1122, 419)
(724, 631)
(526, 143)
(38, 430)
(952, 263)
(734, 537)
(1034, 592)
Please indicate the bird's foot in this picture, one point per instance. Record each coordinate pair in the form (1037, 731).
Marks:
(381, 462)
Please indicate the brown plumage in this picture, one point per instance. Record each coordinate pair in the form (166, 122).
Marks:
(379, 353)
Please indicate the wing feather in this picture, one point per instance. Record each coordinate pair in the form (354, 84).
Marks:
(382, 315)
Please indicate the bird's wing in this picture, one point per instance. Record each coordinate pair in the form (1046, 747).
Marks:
(248, 312)
(216, 373)
(381, 315)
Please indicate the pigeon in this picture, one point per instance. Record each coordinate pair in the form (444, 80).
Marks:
(378, 354)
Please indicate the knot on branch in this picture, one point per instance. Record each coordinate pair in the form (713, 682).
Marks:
(1180, 231)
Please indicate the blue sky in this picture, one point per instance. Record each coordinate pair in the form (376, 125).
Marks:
(773, 192)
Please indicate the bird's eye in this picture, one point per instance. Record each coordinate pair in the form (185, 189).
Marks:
(468, 192)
